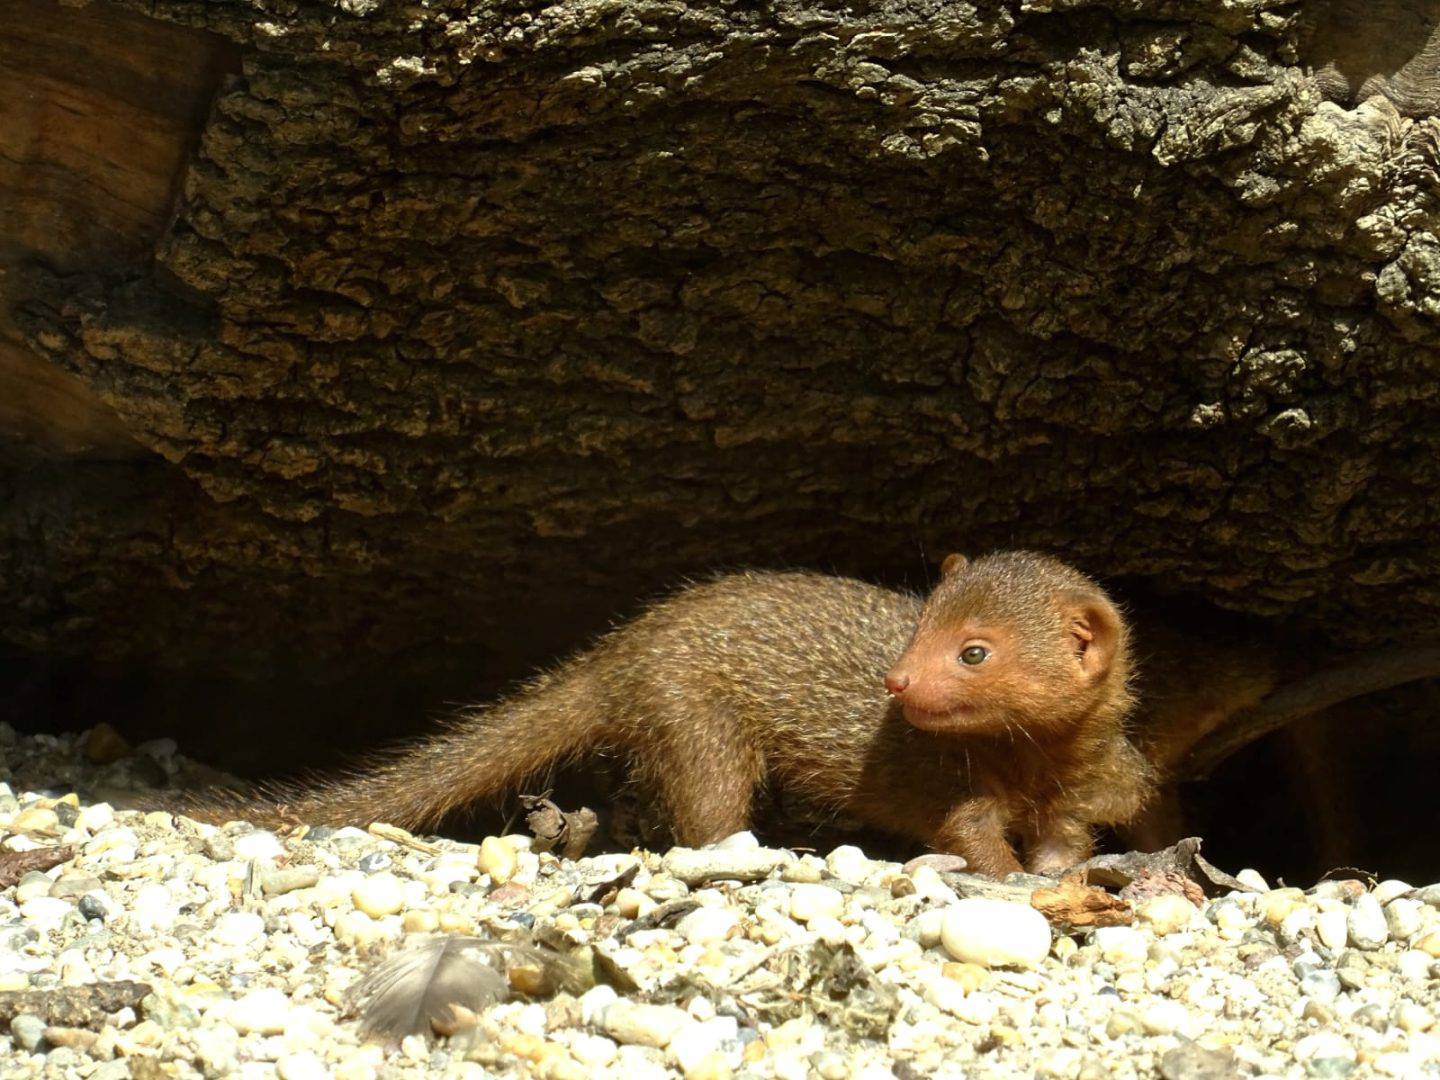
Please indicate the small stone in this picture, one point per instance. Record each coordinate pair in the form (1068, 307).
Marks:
(1430, 944)
(73, 886)
(28, 1031)
(103, 745)
(1402, 917)
(1323, 1045)
(1416, 966)
(259, 846)
(698, 866)
(261, 1012)
(632, 903)
(45, 912)
(995, 933)
(1389, 890)
(1163, 1017)
(644, 1025)
(707, 925)
(301, 1067)
(1123, 1022)
(238, 928)
(420, 921)
(1367, 925)
(287, 880)
(374, 862)
(95, 817)
(1122, 946)
(1278, 903)
(32, 885)
(37, 820)
(92, 906)
(1332, 928)
(379, 895)
(1254, 879)
(1411, 1017)
(925, 927)
(498, 859)
(1167, 913)
(971, 977)
(593, 1050)
(809, 902)
(1324, 986)
(741, 841)
(848, 863)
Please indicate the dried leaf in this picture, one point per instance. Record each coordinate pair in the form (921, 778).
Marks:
(569, 834)
(1072, 903)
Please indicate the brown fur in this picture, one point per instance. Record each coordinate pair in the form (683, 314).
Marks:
(777, 677)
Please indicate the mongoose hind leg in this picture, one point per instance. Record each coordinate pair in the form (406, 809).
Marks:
(706, 773)
(1056, 842)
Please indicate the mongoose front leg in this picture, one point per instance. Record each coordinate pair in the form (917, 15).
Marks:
(1056, 842)
(976, 829)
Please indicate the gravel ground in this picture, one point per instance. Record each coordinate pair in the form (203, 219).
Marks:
(165, 947)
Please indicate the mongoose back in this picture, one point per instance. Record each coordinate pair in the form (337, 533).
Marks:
(1002, 715)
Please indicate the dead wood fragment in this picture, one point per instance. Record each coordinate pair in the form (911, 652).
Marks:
(1073, 903)
(567, 834)
(1181, 863)
(14, 865)
(73, 1006)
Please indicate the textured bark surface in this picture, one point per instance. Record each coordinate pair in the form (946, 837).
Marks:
(475, 321)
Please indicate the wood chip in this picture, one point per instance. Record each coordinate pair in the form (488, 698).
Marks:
(14, 865)
(1073, 903)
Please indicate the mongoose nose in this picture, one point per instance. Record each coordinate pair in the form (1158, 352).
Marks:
(896, 684)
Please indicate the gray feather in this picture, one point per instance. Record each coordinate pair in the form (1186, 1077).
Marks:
(414, 989)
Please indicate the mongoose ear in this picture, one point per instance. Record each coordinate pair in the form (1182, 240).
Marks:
(953, 562)
(1094, 626)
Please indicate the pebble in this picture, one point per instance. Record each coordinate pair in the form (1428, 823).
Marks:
(261, 1011)
(1254, 879)
(1122, 945)
(303, 1066)
(1366, 923)
(696, 866)
(808, 902)
(259, 846)
(642, 1024)
(1166, 914)
(1163, 1017)
(1323, 1045)
(1402, 918)
(706, 925)
(28, 1031)
(498, 858)
(1389, 890)
(238, 928)
(995, 933)
(849, 864)
(1333, 930)
(378, 895)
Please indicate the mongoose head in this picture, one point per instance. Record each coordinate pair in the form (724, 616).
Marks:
(1013, 641)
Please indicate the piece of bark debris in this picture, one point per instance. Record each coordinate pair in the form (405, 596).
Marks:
(1073, 903)
(14, 865)
(73, 1006)
(568, 835)
(1180, 862)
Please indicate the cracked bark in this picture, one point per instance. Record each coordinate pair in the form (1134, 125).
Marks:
(472, 323)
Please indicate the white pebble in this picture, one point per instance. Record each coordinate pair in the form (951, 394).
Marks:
(237, 928)
(1415, 965)
(1166, 914)
(696, 1040)
(850, 864)
(1368, 929)
(1323, 1044)
(259, 846)
(301, 1067)
(809, 902)
(929, 885)
(1254, 879)
(378, 895)
(498, 859)
(1412, 1017)
(644, 1025)
(593, 1050)
(1332, 929)
(995, 933)
(706, 925)
(94, 818)
(740, 841)
(595, 1001)
(260, 1012)
(153, 908)
(1163, 1017)
(45, 912)
(1122, 945)
(1390, 889)
(1402, 917)
(926, 926)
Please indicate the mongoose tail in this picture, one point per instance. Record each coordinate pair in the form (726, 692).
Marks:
(482, 754)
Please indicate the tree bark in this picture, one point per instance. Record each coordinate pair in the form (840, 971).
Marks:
(469, 321)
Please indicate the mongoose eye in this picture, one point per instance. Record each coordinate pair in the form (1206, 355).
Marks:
(974, 654)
